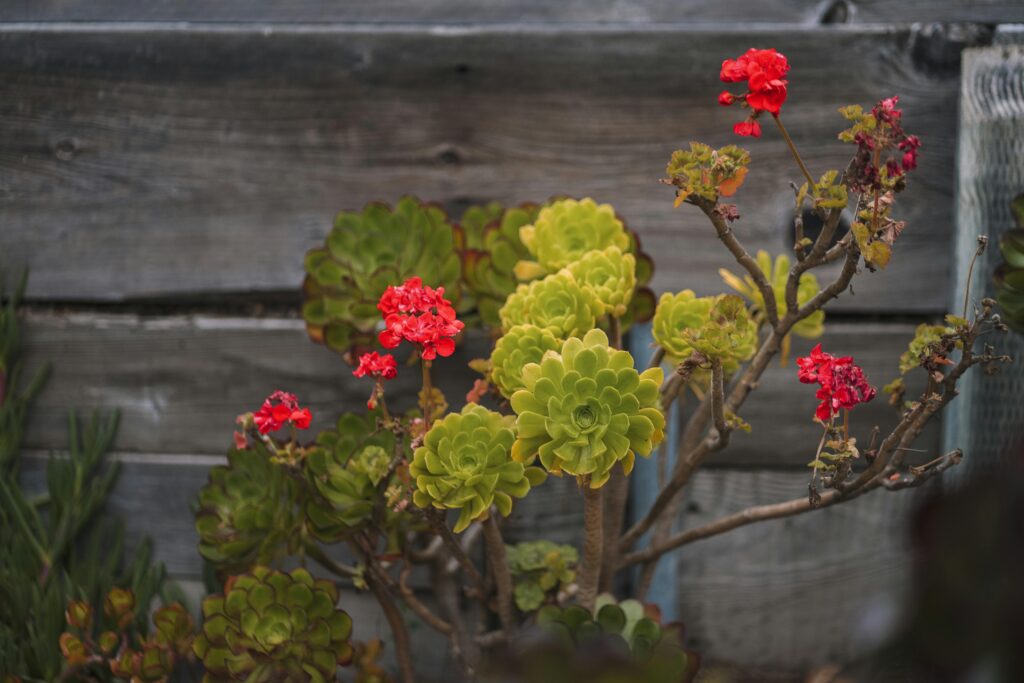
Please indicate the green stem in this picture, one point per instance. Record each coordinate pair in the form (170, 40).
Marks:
(792, 150)
(428, 393)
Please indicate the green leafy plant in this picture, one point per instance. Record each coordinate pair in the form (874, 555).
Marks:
(538, 568)
(556, 303)
(274, 626)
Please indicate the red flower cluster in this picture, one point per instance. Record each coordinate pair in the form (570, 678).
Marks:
(765, 74)
(887, 137)
(420, 315)
(278, 409)
(374, 365)
(842, 382)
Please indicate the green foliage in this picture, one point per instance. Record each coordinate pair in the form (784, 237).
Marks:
(619, 642)
(364, 253)
(273, 626)
(248, 511)
(464, 465)
(489, 245)
(586, 408)
(567, 229)
(538, 568)
(610, 275)
(556, 303)
(346, 466)
(925, 342)
(58, 546)
(517, 348)
(706, 172)
(828, 192)
(728, 334)
(1009, 276)
(712, 322)
(777, 274)
(103, 641)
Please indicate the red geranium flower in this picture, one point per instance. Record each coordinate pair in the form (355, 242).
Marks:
(842, 382)
(278, 409)
(419, 315)
(374, 365)
(765, 72)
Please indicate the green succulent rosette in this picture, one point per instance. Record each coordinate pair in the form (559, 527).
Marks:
(464, 464)
(556, 303)
(586, 408)
(728, 334)
(364, 253)
(489, 245)
(777, 273)
(567, 229)
(610, 275)
(681, 317)
(539, 567)
(248, 511)
(273, 626)
(517, 348)
(346, 466)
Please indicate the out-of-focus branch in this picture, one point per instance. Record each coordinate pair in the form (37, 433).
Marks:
(498, 566)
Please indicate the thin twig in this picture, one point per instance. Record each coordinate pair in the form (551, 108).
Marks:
(792, 150)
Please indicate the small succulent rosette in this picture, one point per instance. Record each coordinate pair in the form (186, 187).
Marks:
(684, 318)
(465, 464)
(274, 626)
(610, 275)
(517, 348)
(567, 229)
(586, 408)
(557, 303)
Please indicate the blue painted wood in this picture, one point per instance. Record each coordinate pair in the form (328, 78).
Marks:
(644, 484)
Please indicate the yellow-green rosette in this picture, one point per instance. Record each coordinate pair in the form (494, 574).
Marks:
(585, 408)
(610, 274)
(517, 348)
(465, 464)
(675, 314)
(556, 303)
(811, 327)
(566, 230)
(728, 334)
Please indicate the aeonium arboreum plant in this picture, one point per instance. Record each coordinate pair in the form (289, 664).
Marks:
(410, 488)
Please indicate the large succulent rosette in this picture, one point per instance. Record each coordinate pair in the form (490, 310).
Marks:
(464, 464)
(556, 303)
(364, 253)
(248, 512)
(517, 348)
(587, 408)
(273, 626)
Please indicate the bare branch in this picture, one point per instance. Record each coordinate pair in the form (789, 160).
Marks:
(918, 475)
(499, 570)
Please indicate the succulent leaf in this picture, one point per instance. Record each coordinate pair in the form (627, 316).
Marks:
(585, 408)
(464, 464)
(610, 275)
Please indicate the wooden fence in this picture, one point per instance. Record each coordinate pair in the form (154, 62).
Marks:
(164, 165)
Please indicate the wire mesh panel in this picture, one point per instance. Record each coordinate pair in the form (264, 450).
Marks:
(987, 421)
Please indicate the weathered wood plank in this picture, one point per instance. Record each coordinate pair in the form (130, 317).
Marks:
(792, 593)
(179, 382)
(167, 160)
(466, 11)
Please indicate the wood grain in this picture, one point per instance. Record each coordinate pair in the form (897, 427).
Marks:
(466, 11)
(148, 161)
(792, 593)
(179, 382)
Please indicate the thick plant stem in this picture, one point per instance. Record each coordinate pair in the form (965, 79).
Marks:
(428, 393)
(399, 630)
(796, 154)
(614, 513)
(499, 570)
(593, 535)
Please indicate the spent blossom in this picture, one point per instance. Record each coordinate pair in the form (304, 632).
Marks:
(882, 144)
(279, 409)
(842, 383)
(764, 71)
